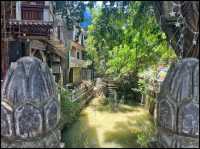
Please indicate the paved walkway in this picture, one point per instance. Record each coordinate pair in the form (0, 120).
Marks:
(99, 126)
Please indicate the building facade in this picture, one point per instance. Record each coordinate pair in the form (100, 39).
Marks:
(78, 62)
(33, 28)
(23, 22)
(30, 29)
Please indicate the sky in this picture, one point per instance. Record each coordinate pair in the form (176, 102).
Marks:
(98, 3)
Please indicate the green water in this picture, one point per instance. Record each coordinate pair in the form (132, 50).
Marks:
(99, 127)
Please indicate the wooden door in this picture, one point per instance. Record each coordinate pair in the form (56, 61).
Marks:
(71, 75)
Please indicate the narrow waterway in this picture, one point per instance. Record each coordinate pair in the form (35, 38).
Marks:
(99, 126)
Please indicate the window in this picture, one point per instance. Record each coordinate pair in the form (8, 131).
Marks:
(84, 55)
(29, 13)
(78, 55)
(58, 31)
(82, 40)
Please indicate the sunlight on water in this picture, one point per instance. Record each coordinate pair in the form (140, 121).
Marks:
(98, 126)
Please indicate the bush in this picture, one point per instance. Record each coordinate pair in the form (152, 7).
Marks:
(145, 137)
(146, 85)
(69, 109)
(125, 86)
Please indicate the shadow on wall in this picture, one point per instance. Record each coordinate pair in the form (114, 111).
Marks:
(81, 135)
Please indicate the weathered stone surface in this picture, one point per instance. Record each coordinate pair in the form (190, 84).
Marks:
(28, 80)
(166, 138)
(166, 115)
(189, 119)
(30, 107)
(50, 140)
(28, 121)
(187, 142)
(52, 114)
(173, 140)
(178, 105)
(190, 12)
(6, 121)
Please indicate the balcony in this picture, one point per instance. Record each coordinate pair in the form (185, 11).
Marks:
(57, 47)
(29, 27)
(74, 62)
(33, 3)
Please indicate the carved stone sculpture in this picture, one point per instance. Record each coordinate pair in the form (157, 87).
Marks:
(178, 106)
(30, 109)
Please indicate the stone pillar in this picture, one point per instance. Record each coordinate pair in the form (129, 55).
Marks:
(178, 106)
(30, 108)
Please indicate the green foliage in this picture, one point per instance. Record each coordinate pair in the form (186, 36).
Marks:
(127, 87)
(69, 109)
(120, 61)
(145, 136)
(71, 11)
(146, 76)
(123, 41)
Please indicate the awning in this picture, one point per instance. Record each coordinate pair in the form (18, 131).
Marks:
(77, 45)
(38, 45)
(57, 48)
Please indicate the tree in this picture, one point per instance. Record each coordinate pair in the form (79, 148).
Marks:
(127, 38)
(71, 11)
